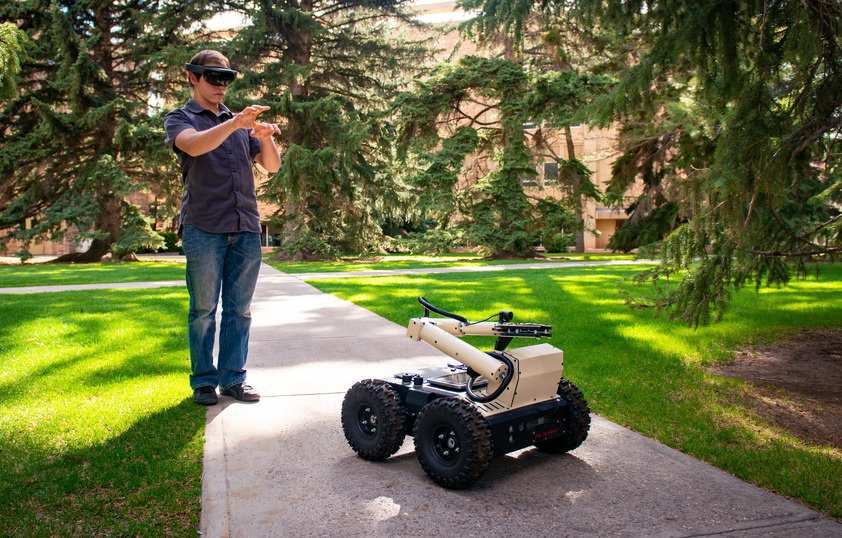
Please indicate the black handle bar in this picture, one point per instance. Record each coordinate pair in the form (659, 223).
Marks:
(430, 308)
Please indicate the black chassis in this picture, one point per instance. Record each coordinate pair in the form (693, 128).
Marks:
(510, 430)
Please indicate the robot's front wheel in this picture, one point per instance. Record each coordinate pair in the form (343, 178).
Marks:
(452, 442)
(373, 419)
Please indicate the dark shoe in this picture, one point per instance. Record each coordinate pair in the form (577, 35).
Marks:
(241, 392)
(205, 396)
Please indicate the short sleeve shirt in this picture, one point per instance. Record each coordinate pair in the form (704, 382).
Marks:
(219, 192)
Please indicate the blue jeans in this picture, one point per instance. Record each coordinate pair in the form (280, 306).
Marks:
(228, 263)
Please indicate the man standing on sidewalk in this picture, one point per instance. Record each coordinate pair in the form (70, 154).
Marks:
(220, 224)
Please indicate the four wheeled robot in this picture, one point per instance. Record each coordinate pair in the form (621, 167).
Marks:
(491, 404)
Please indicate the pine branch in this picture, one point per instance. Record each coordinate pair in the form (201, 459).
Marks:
(778, 254)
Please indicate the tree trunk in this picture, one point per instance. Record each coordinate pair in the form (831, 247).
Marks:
(110, 212)
(109, 221)
(301, 53)
(578, 206)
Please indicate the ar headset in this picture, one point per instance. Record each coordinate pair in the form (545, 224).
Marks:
(217, 76)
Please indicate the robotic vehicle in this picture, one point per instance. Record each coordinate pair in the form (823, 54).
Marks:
(461, 416)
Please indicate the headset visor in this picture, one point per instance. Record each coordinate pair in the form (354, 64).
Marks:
(218, 76)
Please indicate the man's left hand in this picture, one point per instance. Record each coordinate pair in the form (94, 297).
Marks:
(265, 130)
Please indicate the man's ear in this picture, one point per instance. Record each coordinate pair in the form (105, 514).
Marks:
(192, 79)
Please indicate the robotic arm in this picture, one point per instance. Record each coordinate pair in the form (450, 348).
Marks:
(445, 335)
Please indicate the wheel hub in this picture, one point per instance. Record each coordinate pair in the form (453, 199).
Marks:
(446, 444)
(367, 420)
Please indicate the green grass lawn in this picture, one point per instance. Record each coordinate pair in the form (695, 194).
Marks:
(47, 274)
(98, 435)
(645, 373)
(392, 262)
(98, 432)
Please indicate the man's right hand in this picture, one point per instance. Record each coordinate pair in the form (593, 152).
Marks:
(247, 118)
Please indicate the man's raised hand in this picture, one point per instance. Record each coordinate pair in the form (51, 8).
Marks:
(265, 130)
(246, 118)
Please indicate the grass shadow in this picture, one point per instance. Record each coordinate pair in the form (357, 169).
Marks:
(64, 274)
(97, 434)
(144, 481)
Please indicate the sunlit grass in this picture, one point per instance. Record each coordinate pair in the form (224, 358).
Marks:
(45, 274)
(644, 372)
(98, 434)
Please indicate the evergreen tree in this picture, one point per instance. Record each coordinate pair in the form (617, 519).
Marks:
(529, 79)
(731, 114)
(81, 137)
(327, 69)
(543, 37)
(477, 108)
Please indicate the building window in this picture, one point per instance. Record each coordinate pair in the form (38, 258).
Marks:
(551, 170)
(550, 174)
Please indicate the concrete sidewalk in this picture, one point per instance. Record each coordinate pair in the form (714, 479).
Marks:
(82, 287)
(281, 467)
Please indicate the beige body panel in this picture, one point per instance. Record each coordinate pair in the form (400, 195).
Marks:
(538, 370)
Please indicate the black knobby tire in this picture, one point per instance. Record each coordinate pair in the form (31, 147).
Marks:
(373, 419)
(452, 442)
(578, 421)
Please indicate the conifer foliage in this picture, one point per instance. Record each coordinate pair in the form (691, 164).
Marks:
(80, 137)
(11, 53)
(501, 108)
(477, 108)
(731, 115)
(327, 69)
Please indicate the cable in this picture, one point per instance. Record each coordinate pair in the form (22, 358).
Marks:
(510, 372)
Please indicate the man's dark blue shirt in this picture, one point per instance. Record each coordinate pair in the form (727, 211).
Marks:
(219, 195)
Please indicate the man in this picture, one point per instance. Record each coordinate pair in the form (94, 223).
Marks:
(220, 225)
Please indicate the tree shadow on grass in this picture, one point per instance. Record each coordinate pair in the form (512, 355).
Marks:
(47, 274)
(145, 481)
(96, 438)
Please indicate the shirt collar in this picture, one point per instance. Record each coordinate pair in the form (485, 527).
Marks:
(196, 108)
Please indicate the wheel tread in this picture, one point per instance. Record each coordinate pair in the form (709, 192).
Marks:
(478, 449)
(578, 422)
(391, 414)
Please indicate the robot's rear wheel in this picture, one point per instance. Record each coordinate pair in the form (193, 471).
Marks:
(373, 419)
(452, 442)
(578, 421)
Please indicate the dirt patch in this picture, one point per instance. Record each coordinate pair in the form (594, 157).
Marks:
(797, 383)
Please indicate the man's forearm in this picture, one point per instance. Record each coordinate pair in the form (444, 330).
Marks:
(269, 156)
(196, 143)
